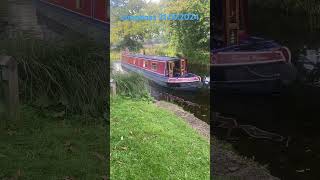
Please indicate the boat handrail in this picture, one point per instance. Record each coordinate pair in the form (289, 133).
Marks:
(241, 45)
(247, 63)
(261, 75)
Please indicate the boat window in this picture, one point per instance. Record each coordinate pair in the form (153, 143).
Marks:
(144, 64)
(183, 66)
(154, 66)
(177, 69)
(171, 66)
(79, 4)
(232, 24)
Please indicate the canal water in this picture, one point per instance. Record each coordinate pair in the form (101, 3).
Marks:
(292, 115)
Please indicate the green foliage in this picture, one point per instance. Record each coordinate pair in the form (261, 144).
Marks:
(133, 43)
(72, 75)
(160, 50)
(132, 34)
(190, 37)
(152, 143)
(131, 85)
(115, 55)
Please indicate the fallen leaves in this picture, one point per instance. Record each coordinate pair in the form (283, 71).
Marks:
(68, 146)
(59, 114)
(68, 178)
(124, 148)
(11, 132)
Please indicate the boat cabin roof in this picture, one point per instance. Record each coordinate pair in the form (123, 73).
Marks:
(159, 58)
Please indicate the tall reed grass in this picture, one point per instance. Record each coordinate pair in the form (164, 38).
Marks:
(131, 85)
(71, 74)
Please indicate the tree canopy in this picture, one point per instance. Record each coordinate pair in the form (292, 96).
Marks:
(188, 38)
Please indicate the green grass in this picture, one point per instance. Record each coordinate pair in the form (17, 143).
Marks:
(152, 143)
(42, 146)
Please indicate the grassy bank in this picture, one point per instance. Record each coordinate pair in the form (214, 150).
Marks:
(151, 143)
(45, 145)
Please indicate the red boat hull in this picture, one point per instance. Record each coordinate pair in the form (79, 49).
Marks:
(95, 9)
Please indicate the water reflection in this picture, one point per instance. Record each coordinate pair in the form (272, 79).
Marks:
(292, 114)
(198, 103)
(308, 64)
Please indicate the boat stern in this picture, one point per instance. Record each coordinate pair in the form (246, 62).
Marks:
(191, 82)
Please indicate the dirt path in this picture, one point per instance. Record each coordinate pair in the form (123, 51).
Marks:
(201, 127)
(224, 161)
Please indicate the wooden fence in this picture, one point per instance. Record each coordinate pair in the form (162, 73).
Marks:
(9, 88)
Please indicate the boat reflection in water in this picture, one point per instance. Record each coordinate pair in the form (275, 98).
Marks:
(308, 65)
(242, 62)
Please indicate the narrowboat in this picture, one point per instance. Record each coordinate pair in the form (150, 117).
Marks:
(169, 72)
(245, 63)
(86, 17)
